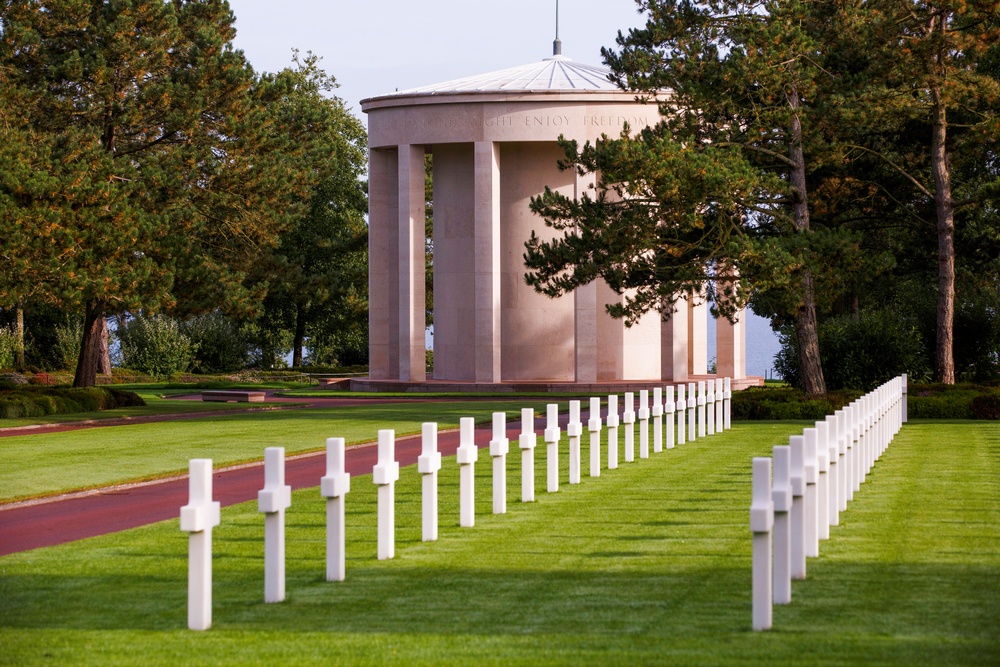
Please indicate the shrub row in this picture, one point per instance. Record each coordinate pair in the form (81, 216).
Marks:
(924, 401)
(35, 401)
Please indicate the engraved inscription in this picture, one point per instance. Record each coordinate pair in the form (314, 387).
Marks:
(549, 120)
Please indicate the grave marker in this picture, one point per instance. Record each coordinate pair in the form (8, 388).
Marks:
(798, 513)
(428, 465)
(727, 397)
(657, 414)
(499, 446)
(466, 456)
(552, 436)
(628, 418)
(574, 429)
(612, 432)
(334, 486)
(644, 424)
(594, 426)
(833, 484)
(702, 400)
(720, 396)
(781, 494)
(692, 403)
(761, 523)
(811, 506)
(384, 476)
(823, 484)
(198, 517)
(710, 407)
(527, 442)
(272, 501)
(670, 407)
(681, 408)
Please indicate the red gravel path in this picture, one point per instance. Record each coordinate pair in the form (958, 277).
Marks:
(48, 522)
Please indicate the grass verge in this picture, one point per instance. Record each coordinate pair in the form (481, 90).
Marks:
(649, 564)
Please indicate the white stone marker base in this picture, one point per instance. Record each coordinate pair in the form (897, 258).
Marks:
(466, 455)
(670, 410)
(552, 436)
(657, 414)
(681, 411)
(812, 494)
(198, 517)
(781, 494)
(833, 484)
(384, 475)
(334, 486)
(612, 432)
(761, 523)
(574, 429)
(272, 501)
(499, 446)
(594, 426)
(428, 465)
(643, 424)
(823, 484)
(628, 418)
(527, 442)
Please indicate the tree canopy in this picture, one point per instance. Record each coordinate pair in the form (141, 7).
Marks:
(143, 163)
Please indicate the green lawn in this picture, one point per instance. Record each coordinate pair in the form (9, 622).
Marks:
(649, 564)
(43, 464)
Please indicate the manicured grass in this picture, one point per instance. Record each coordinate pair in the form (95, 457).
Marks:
(649, 564)
(43, 464)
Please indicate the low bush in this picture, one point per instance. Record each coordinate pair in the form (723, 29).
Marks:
(38, 401)
(924, 401)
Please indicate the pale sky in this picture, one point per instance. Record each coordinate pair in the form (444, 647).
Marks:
(378, 46)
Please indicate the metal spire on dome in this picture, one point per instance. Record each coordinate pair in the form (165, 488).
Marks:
(557, 45)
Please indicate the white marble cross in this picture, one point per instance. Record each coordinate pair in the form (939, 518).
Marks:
(823, 483)
(692, 403)
(552, 436)
(798, 514)
(273, 500)
(335, 486)
(574, 429)
(198, 517)
(702, 399)
(812, 493)
(612, 423)
(628, 418)
(527, 442)
(594, 426)
(727, 396)
(466, 455)
(644, 424)
(681, 410)
(710, 407)
(761, 523)
(720, 395)
(833, 485)
(428, 465)
(657, 414)
(781, 494)
(670, 408)
(499, 446)
(385, 474)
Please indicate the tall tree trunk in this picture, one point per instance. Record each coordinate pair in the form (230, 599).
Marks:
(300, 336)
(104, 358)
(806, 329)
(90, 347)
(19, 352)
(944, 363)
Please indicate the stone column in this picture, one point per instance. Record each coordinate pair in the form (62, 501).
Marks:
(383, 277)
(412, 322)
(730, 347)
(587, 309)
(486, 232)
(674, 343)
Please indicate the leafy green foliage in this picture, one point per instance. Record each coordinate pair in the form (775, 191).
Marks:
(220, 344)
(68, 336)
(155, 345)
(8, 347)
(35, 401)
(773, 403)
(861, 352)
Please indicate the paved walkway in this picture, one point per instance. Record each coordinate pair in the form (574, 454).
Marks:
(51, 521)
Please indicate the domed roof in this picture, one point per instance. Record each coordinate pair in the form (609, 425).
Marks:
(557, 73)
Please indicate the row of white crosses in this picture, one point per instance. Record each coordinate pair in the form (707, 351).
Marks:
(815, 476)
(709, 409)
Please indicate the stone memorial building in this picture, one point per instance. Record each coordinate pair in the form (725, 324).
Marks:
(492, 141)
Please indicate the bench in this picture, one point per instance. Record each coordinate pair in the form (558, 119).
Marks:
(227, 396)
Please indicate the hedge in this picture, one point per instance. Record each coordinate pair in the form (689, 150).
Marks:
(35, 401)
